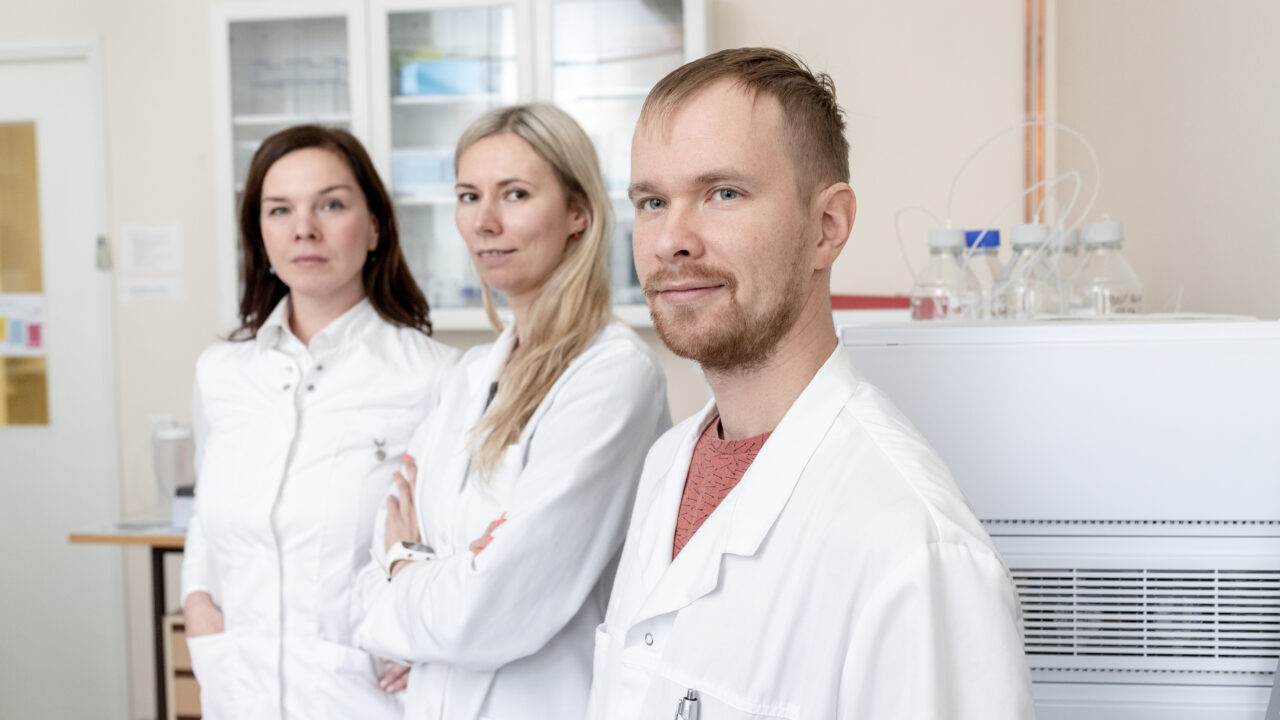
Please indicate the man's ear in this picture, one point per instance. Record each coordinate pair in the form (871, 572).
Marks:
(837, 205)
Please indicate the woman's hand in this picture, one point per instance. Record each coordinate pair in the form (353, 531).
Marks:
(483, 541)
(395, 678)
(201, 615)
(402, 516)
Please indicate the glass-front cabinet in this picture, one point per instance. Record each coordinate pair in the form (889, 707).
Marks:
(604, 57)
(410, 83)
(275, 65)
(439, 67)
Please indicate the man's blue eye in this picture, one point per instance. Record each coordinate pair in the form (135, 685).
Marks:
(727, 194)
(651, 204)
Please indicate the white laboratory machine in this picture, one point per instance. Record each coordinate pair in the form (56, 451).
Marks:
(1129, 473)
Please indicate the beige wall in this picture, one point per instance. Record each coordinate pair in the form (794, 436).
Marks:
(1181, 99)
(924, 81)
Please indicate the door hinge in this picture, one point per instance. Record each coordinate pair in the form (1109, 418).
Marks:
(104, 253)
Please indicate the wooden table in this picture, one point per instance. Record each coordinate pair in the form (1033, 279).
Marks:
(162, 540)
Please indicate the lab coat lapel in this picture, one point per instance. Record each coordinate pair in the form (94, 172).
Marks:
(739, 525)
(480, 376)
(442, 507)
(482, 373)
(661, 507)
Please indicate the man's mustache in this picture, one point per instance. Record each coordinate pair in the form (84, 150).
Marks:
(700, 274)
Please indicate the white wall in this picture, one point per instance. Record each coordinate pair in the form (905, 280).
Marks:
(924, 81)
(1181, 99)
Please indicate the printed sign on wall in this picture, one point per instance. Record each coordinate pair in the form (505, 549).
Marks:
(22, 325)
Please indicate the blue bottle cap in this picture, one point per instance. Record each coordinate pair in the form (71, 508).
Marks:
(990, 239)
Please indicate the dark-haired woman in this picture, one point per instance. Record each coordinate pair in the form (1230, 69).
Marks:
(300, 418)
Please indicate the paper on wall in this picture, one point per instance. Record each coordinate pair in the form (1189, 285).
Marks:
(22, 332)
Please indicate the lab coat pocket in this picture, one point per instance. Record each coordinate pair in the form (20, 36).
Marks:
(669, 695)
(347, 683)
(214, 662)
(601, 668)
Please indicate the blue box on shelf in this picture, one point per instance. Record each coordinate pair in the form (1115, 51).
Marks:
(445, 77)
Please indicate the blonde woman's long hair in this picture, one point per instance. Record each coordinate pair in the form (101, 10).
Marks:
(574, 304)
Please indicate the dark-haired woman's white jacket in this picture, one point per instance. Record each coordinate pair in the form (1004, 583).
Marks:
(294, 452)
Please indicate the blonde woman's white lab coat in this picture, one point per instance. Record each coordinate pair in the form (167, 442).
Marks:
(295, 450)
(507, 634)
(844, 577)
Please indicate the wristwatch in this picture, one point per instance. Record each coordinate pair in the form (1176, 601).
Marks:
(413, 552)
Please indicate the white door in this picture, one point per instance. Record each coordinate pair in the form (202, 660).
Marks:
(62, 619)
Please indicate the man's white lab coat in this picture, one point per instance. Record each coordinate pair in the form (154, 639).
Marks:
(844, 577)
(508, 633)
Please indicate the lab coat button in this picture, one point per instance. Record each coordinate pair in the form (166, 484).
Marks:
(648, 638)
(311, 388)
(286, 387)
(319, 368)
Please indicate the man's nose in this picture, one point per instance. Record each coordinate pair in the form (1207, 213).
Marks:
(676, 235)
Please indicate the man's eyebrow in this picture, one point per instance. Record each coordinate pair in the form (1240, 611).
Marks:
(640, 188)
(715, 177)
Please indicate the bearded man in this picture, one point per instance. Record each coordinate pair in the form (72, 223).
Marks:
(796, 550)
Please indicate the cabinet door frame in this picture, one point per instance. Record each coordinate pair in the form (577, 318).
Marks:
(221, 16)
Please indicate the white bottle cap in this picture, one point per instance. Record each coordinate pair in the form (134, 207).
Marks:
(1066, 239)
(946, 237)
(1030, 235)
(1103, 232)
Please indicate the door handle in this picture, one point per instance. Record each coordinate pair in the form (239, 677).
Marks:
(103, 252)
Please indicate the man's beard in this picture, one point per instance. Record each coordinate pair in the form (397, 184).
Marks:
(726, 339)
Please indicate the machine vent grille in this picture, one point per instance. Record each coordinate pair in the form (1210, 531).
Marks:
(1150, 613)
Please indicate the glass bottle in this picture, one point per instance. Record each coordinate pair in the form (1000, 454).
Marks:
(946, 289)
(1106, 283)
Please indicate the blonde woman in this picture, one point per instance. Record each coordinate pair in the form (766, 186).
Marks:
(526, 472)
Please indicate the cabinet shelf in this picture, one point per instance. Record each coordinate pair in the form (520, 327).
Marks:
(429, 100)
(424, 200)
(621, 93)
(290, 119)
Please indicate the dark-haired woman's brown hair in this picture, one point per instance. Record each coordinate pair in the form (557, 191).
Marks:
(387, 281)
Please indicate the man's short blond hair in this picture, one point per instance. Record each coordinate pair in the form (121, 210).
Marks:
(810, 113)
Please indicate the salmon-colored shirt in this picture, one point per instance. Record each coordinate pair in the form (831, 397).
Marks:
(715, 469)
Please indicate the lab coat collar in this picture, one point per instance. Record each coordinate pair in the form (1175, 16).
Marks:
(275, 326)
(742, 521)
(346, 328)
